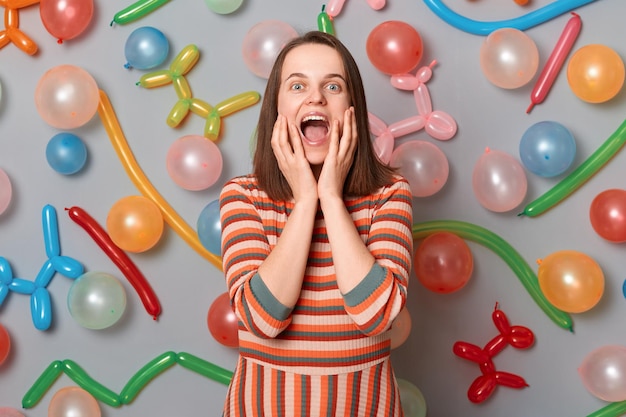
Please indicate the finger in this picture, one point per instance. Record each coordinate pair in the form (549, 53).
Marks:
(294, 138)
(348, 140)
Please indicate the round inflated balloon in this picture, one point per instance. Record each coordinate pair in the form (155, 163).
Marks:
(262, 44)
(222, 322)
(146, 48)
(5, 345)
(135, 223)
(210, 228)
(547, 149)
(66, 153)
(572, 281)
(6, 191)
(412, 399)
(96, 300)
(66, 19)
(509, 58)
(394, 47)
(608, 215)
(194, 162)
(224, 6)
(499, 181)
(66, 97)
(595, 73)
(603, 372)
(10, 412)
(400, 328)
(423, 164)
(443, 262)
(73, 402)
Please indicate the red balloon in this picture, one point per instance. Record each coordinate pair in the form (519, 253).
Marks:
(66, 19)
(608, 215)
(394, 47)
(443, 262)
(5, 344)
(222, 321)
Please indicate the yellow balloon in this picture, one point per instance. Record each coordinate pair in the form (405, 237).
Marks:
(595, 73)
(135, 223)
(572, 281)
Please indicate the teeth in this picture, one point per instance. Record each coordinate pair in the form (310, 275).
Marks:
(309, 118)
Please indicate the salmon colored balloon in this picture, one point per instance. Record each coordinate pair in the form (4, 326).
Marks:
(135, 223)
(603, 372)
(595, 73)
(443, 262)
(5, 345)
(499, 181)
(608, 215)
(10, 412)
(424, 166)
(6, 191)
(394, 47)
(66, 19)
(400, 328)
(572, 281)
(509, 58)
(222, 322)
(73, 401)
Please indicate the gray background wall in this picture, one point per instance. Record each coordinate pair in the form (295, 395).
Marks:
(186, 284)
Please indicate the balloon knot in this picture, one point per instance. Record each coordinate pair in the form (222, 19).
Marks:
(127, 65)
(539, 261)
(59, 41)
(487, 150)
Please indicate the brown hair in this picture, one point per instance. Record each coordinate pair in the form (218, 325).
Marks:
(367, 173)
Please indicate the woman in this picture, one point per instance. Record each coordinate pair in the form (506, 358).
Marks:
(316, 247)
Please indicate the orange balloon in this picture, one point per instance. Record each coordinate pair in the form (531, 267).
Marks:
(595, 73)
(571, 280)
(135, 223)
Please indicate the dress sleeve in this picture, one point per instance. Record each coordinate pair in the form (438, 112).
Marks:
(244, 248)
(379, 298)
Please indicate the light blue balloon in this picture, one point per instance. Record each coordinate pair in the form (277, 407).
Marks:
(146, 48)
(547, 149)
(210, 228)
(41, 308)
(66, 153)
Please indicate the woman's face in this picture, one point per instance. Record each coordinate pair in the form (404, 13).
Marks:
(312, 94)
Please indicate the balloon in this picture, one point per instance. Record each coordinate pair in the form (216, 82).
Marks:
(423, 164)
(204, 368)
(66, 153)
(603, 372)
(136, 11)
(135, 223)
(10, 412)
(505, 251)
(66, 97)
(263, 42)
(572, 281)
(73, 402)
(579, 176)
(595, 73)
(42, 384)
(527, 21)
(394, 47)
(96, 300)
(324, 22)
(223, 6)
(499, 181)
(210, 227)
(194, 162)
(547, 149)
(6, 191)
(335, 6)
(222, 322)
(400, 328)
(608, 215)
(412, 399)
(555, 61)
(146, 48)
(120, 258)
(66, 19)
(509, 58)
(137, 176)
(5, 345)
(443, 262)
(146, 374)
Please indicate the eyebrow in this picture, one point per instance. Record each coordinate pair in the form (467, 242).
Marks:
(326, 77)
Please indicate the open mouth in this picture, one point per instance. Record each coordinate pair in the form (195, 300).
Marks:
(314, 128)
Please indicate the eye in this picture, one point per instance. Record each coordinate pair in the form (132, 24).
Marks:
(334, 87)
(297, 86)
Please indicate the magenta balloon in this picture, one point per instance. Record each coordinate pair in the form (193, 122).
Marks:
(499, 181)
(67, 97)
(262, 44)
(194, 162)
(66, 19)
(73, 402)
(6, 191)
(423, 164)
(603, 373)
(509, 58)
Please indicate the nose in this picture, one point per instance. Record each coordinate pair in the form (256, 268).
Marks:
(316, 96)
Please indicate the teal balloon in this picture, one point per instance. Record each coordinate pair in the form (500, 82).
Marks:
(146, 48)
(66, 153)
(210, 228)
(96, 300)
(547, 149)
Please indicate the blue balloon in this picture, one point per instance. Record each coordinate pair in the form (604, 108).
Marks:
(41, 308)
(66, 153)
(547, 149)
(146, 48)
(210, 228)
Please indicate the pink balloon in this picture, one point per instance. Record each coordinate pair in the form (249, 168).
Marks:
(194, 162)
(73, 402)
(499, 181)
(603, 373)
(10, 412)
(509, 58)
(423, 164)
(6, 191)
(67, 97)
(262, 44)
(66, 19)
(400, 328)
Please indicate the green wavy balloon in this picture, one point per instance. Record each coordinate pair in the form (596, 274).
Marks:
(504, 250)
(41, 385)
(146, 374)
(99, 391)
(612, 410)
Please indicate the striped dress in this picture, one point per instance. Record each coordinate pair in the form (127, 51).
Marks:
(329, 355)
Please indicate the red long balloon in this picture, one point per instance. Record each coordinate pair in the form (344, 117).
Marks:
(119, 257)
